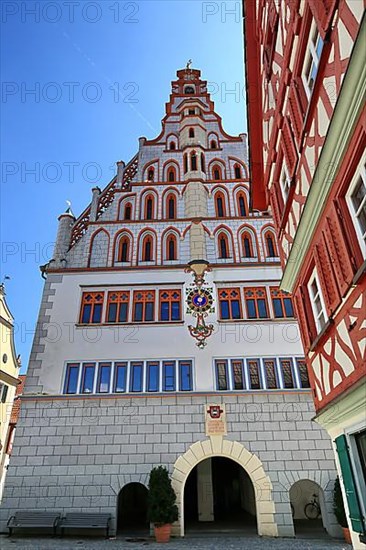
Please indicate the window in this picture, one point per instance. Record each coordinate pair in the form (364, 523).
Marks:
(91, 307)
(144, 301)
(237, 374)
(229, 300)
(120, 377)
(171, 207)
(189, 90)
(147, 249)
(191, 132)
(221, 375)
(223, 246)
(185, 376)
(71, 378)
(150, 174)
(118, 304)
(312, 59)
(288, 375)
(172, 146)
(171, 174)
(220, 205)
(237, 172)
(282, 303)
(149, 208)
(241, 204)
(87, 378)
(136, 376)
(285, 182)
(271, 376)
(193, 161)
(247, 245)
(128, 211)
(3, 392)
(191, 112)
(360, 440)
(356, 199)
(216, 173)
(169, 375)
(170, 305)
(124, 249)
(104, 378)
(171, 248)
(270, 245)
(303, 373)
(153, 371)
(185, 162)
(256, 303)
(203, 164)
(254, 376)
(213, 144)
(317, 302)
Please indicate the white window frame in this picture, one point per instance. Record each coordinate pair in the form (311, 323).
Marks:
(313, 298)
(285, 182)
(312, 57)
(359, 174)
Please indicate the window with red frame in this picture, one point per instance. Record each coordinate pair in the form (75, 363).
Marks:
(170, 305)
(91, 307)
(256, 303)
(171, 174)
(150, 174)
(270, 245)
(230, 306)
(147, 249)
(242, 205)
(282, 303)
(237, 172)
(124, 249)
(193, 161)
(224, 249)
(216, 173)
(220, 205)
(171, 245)
(247, 245)
(171, 204)
(149, 207)
(143, 305)
(128, 211)
(118, 304)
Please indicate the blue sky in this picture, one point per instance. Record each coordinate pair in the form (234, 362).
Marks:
(100, 74)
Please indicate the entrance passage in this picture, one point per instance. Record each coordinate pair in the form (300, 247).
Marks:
(307, 506)
(219, 496)
(132, 509)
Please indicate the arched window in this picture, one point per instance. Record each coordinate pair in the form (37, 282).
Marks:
(171, 207)
(216, 172)
(128, 211)
(147, 249)
(237, 171)
(241, 205)
(150, 174)
(185, 162)
(203, 165)
(213, 144)
(193, 161)
(223, 246)
(149, 207)
(247, 245)
(171, 174)
(189, 90)
(172, 247)
(271, 247)
(124, 249)
(172, 146)
(220, 205)
(191, 132)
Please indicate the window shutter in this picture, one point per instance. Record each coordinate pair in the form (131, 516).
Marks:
(326, 276)
(296, 112)
(304, 321)
(275, 206)
(289, 148)
(349, 484)
(338, 251)
(323, 11)
(270, 38)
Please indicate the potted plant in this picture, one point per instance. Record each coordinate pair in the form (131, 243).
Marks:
(162, 509)
(339, 511)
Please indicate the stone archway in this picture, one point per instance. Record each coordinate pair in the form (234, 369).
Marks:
(218, 446)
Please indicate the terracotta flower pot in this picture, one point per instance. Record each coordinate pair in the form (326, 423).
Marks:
(347, 535)
(162, 532)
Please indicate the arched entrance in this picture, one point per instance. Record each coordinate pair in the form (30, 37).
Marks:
(217, 446)
(308, 507)
(132, 508)
(219, 496)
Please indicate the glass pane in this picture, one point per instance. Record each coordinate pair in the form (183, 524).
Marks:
(138, 311)
(185, 372)
(304, 377)
(88, 379)
(97, 313)
(358, 194)
(252, 314)
(235, 309)
(72, 375)
(287, 373)
(224, 306)
(238, 375)
(254, 375)
(221, 375)
(175, 311)
(277, 306)
(164, 311)
(169, 377)
(123, 310)
(153, 377)
(288, 307)
(262, 308)
(361, 448)
(136, 383)
(104, 378)
(86, 313)
(120, 378)
(269, 366)
(112, 313)
(149, 311)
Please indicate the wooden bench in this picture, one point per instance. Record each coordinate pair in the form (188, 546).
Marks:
(78, 520)
(33, 520)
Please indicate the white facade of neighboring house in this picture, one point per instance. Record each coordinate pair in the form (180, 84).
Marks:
(116, 383)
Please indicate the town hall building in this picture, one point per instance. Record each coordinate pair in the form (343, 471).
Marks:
(163, 338)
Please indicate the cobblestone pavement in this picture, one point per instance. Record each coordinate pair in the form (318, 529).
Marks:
(190, 543)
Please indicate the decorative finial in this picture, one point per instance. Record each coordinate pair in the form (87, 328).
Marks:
(189, 63)
(69, 210)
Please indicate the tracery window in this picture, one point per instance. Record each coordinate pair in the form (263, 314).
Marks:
(91, 307)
